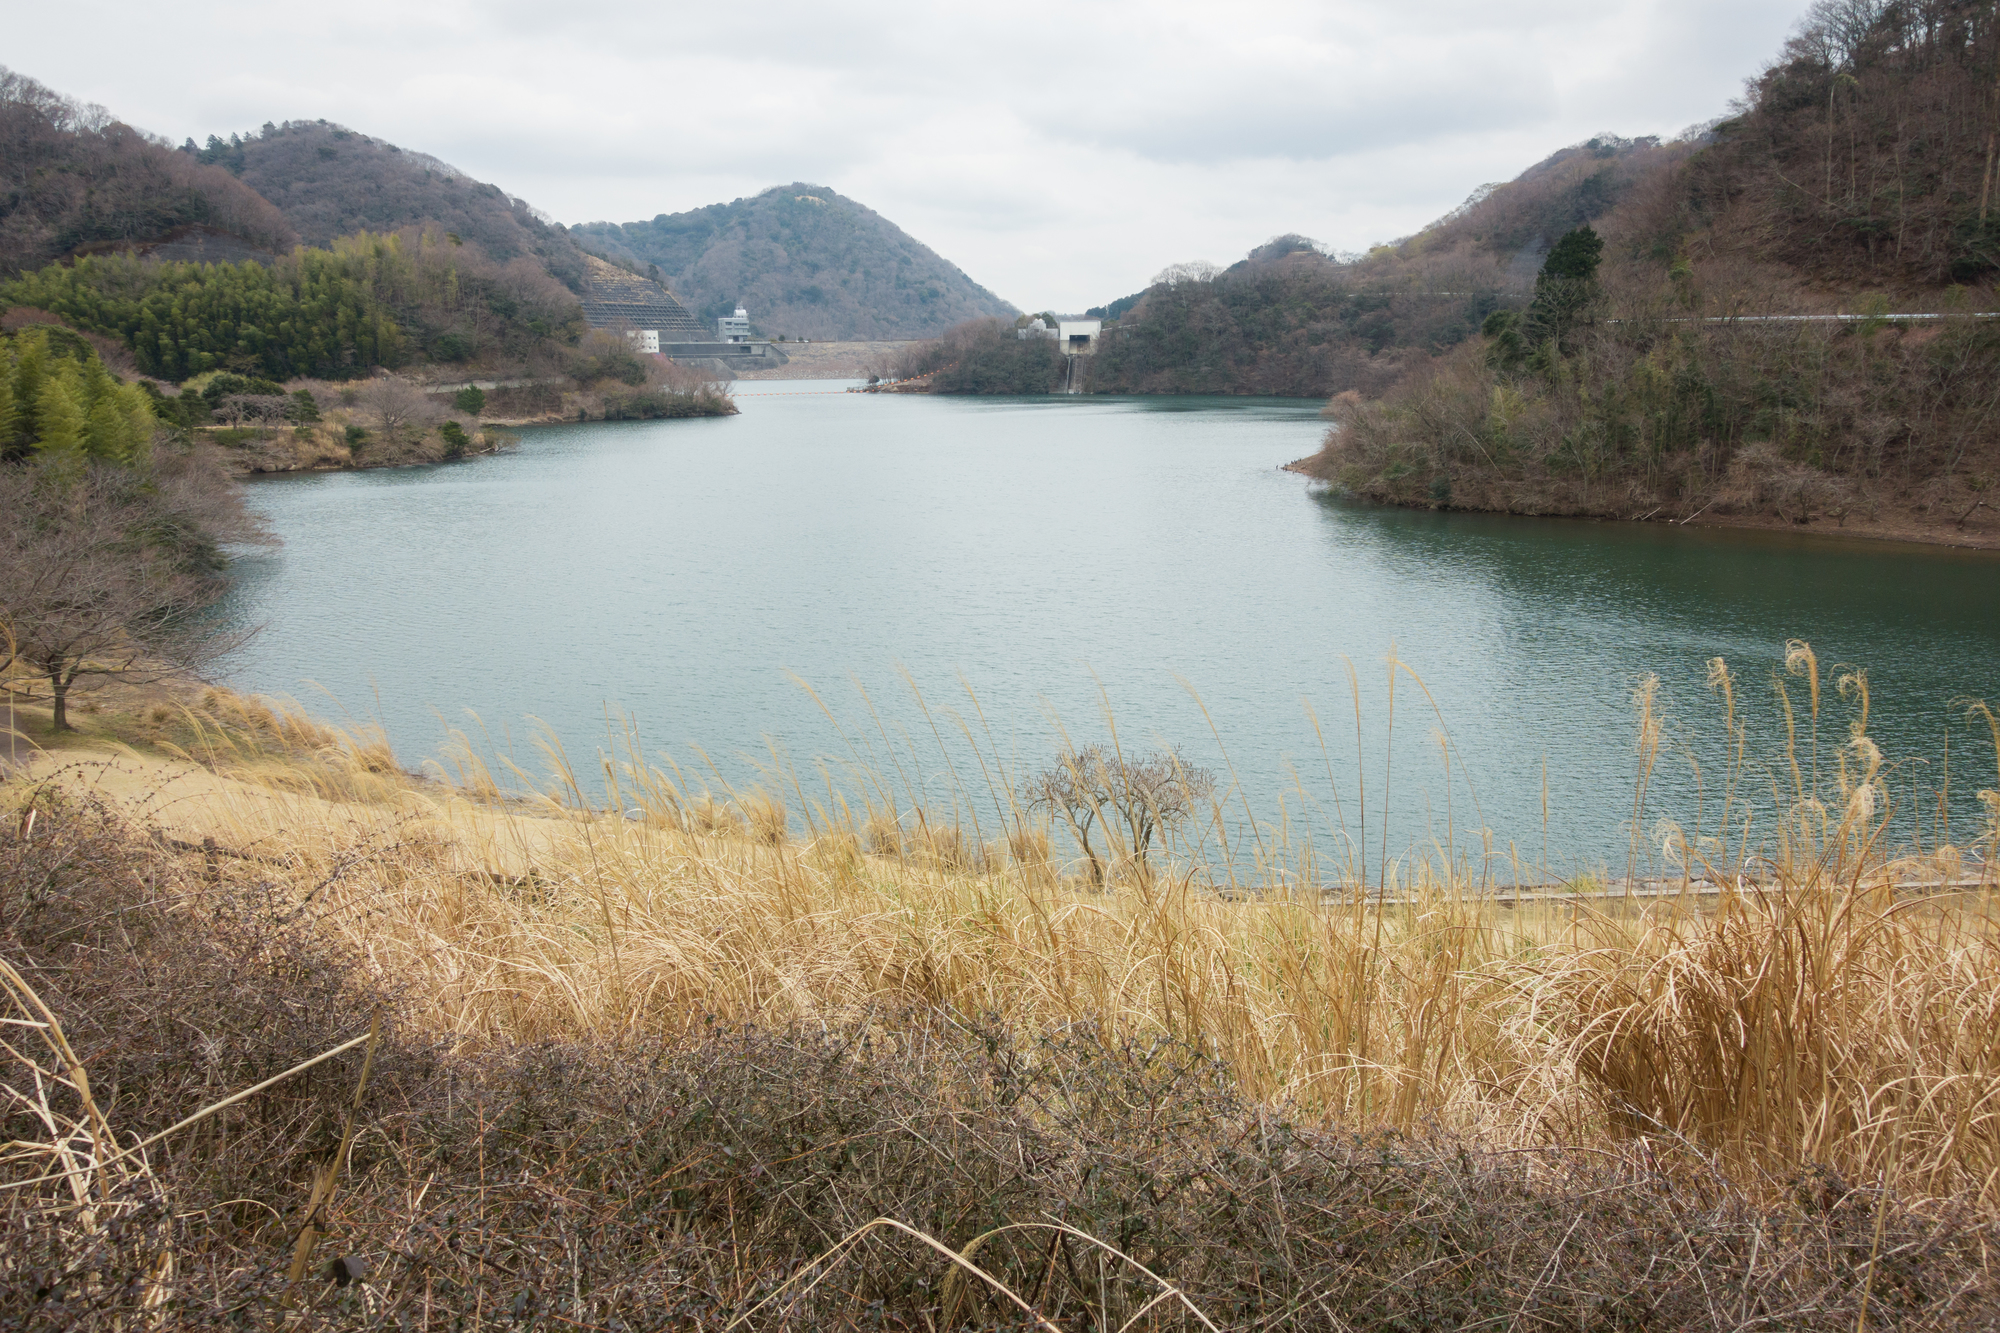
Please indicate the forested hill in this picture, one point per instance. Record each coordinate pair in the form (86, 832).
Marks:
(805, 262)
(1857, 180)
(73, 178)
(331, 181)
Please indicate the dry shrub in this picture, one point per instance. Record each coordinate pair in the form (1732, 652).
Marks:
(1761, 481)
(174, 989)
(1797, 1025)
(713, 1175)
(524, 401)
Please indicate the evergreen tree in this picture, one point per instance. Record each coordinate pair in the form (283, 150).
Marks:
(118, 427)
(104, 435)
(59, 418)
(1574, 258)
(31, 370)
(9, 416)
(1565, 290)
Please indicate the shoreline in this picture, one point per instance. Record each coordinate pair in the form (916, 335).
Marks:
(275, 455)
(1944, 533)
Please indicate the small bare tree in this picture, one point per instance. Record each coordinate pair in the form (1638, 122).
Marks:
(395, 407)
(110, 575)
(1132, 801)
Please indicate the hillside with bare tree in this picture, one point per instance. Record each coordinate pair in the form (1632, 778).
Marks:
(74, 178)
(331, 181)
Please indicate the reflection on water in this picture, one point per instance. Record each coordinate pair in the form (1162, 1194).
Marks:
(1058, 554)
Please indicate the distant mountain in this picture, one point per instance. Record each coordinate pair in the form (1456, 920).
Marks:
(805, 262)
(72, 178)
(331, 181)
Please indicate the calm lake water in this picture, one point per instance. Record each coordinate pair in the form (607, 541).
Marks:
(1054, 554)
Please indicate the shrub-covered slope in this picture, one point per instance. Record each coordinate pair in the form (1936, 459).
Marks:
(805, 262)
(984, 356)
(1865, 156)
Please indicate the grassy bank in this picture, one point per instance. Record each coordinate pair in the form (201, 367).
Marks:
(666, 1067)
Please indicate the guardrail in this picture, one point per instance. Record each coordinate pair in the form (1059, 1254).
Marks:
(1810, 319)
(1648, 890)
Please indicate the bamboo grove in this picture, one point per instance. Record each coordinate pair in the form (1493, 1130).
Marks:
(370, 300)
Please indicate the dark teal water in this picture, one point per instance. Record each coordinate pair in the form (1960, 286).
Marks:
(690, 574)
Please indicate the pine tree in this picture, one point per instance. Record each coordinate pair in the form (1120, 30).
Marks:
(1574, 258)
(1565, 290)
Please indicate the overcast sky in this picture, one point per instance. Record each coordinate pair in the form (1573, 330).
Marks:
(1060, 153)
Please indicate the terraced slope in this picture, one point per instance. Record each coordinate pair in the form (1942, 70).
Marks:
(612, 296)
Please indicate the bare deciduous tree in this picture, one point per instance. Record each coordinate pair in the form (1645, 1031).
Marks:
(395, 407)
(265, 409)
(105, 574)
(1193, 270)
(1132, 800)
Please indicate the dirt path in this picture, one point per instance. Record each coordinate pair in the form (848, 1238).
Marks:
(254, 814)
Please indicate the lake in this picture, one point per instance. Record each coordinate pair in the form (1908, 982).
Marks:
(1055, 555)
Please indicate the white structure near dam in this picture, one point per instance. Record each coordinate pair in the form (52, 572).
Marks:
(1079, 337)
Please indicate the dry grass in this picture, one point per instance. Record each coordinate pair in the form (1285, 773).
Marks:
(1813, 1034)
(1814, 1015)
